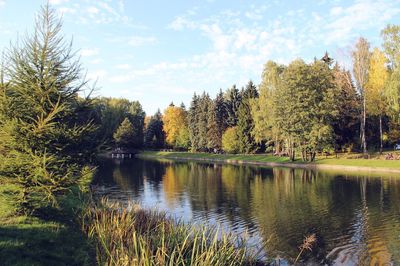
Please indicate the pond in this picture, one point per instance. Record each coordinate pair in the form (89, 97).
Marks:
(355, 216)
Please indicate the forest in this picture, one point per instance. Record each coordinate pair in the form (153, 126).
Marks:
(298, 109)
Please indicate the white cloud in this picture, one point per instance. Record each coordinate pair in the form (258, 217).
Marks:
(2, 3)
(93, 10)
(57, 2)
(89, 52)
(123, 66)
(141, 40)
(346, 23)
(335, 11)
(66, 10)
(97, 74)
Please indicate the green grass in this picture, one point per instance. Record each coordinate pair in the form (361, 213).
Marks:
(28, 240)
(268, 158)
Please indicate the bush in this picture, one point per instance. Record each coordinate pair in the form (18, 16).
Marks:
(230, 140)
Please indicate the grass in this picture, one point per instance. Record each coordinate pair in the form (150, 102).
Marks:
(145, 237)
(30, 240)
(375, 161)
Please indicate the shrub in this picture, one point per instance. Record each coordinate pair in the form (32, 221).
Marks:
(230, 140)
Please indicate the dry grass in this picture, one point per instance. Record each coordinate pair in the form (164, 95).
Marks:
(143, 237)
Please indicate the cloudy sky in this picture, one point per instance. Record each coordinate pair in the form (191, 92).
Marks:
(162, 51)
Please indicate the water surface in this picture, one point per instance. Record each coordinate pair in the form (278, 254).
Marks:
(356, 217)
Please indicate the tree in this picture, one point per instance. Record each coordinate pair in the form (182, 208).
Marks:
(202, 123)
(124, 135)
(136, 116)
(154, 136)
(346, 124)
(305, 107)
(183, 138)
(230, 141)
(375, 88)
(361, 57)
(174, 119)
(232, 103)
(262, 108)
(245, 126)
(193, 122)
(44, 141)
(213, 129)
(391, 44)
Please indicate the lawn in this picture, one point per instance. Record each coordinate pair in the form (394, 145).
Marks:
(29, 240)
(269, 158)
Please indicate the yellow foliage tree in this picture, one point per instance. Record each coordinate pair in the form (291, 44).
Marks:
(175, 121)
(375, 88)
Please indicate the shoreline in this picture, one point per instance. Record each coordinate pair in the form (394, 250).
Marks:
(310, 166)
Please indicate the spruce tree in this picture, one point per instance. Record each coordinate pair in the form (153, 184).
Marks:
(245, 126)
(43, 138)
(193, 122)
(232, 103)
(155, 136)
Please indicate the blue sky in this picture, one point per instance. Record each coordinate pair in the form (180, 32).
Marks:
(162, 51)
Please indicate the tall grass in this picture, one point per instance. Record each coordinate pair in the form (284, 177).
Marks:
(145, 237)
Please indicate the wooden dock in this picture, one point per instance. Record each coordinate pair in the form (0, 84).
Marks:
(121, 153)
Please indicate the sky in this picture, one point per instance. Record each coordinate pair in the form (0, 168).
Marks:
(161, 51)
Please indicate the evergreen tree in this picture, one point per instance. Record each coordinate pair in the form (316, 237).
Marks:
(44, 140)
(213, 133)
(220, 113)
(232, 103)
(202, 123)
(154, 135)
(124, 136)
(193, 122)
(346, 124)
(245, 126)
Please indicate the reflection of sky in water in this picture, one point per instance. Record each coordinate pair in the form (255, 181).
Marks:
(357, 219)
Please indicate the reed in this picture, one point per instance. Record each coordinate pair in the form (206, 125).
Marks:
(146, 237)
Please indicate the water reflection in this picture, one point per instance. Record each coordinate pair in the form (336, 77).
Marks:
(356, 218)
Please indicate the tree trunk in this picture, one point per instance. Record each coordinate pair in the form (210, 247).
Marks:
(381, 134)
(364, 141)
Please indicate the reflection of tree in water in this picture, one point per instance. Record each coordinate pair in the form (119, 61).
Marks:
(128, 175)
(284, 204)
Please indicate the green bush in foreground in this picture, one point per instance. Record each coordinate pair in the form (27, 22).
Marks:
(142, 237)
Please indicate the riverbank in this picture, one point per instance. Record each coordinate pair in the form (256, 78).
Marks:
(343, 164)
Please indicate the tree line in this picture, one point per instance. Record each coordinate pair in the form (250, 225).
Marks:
(300, 108)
